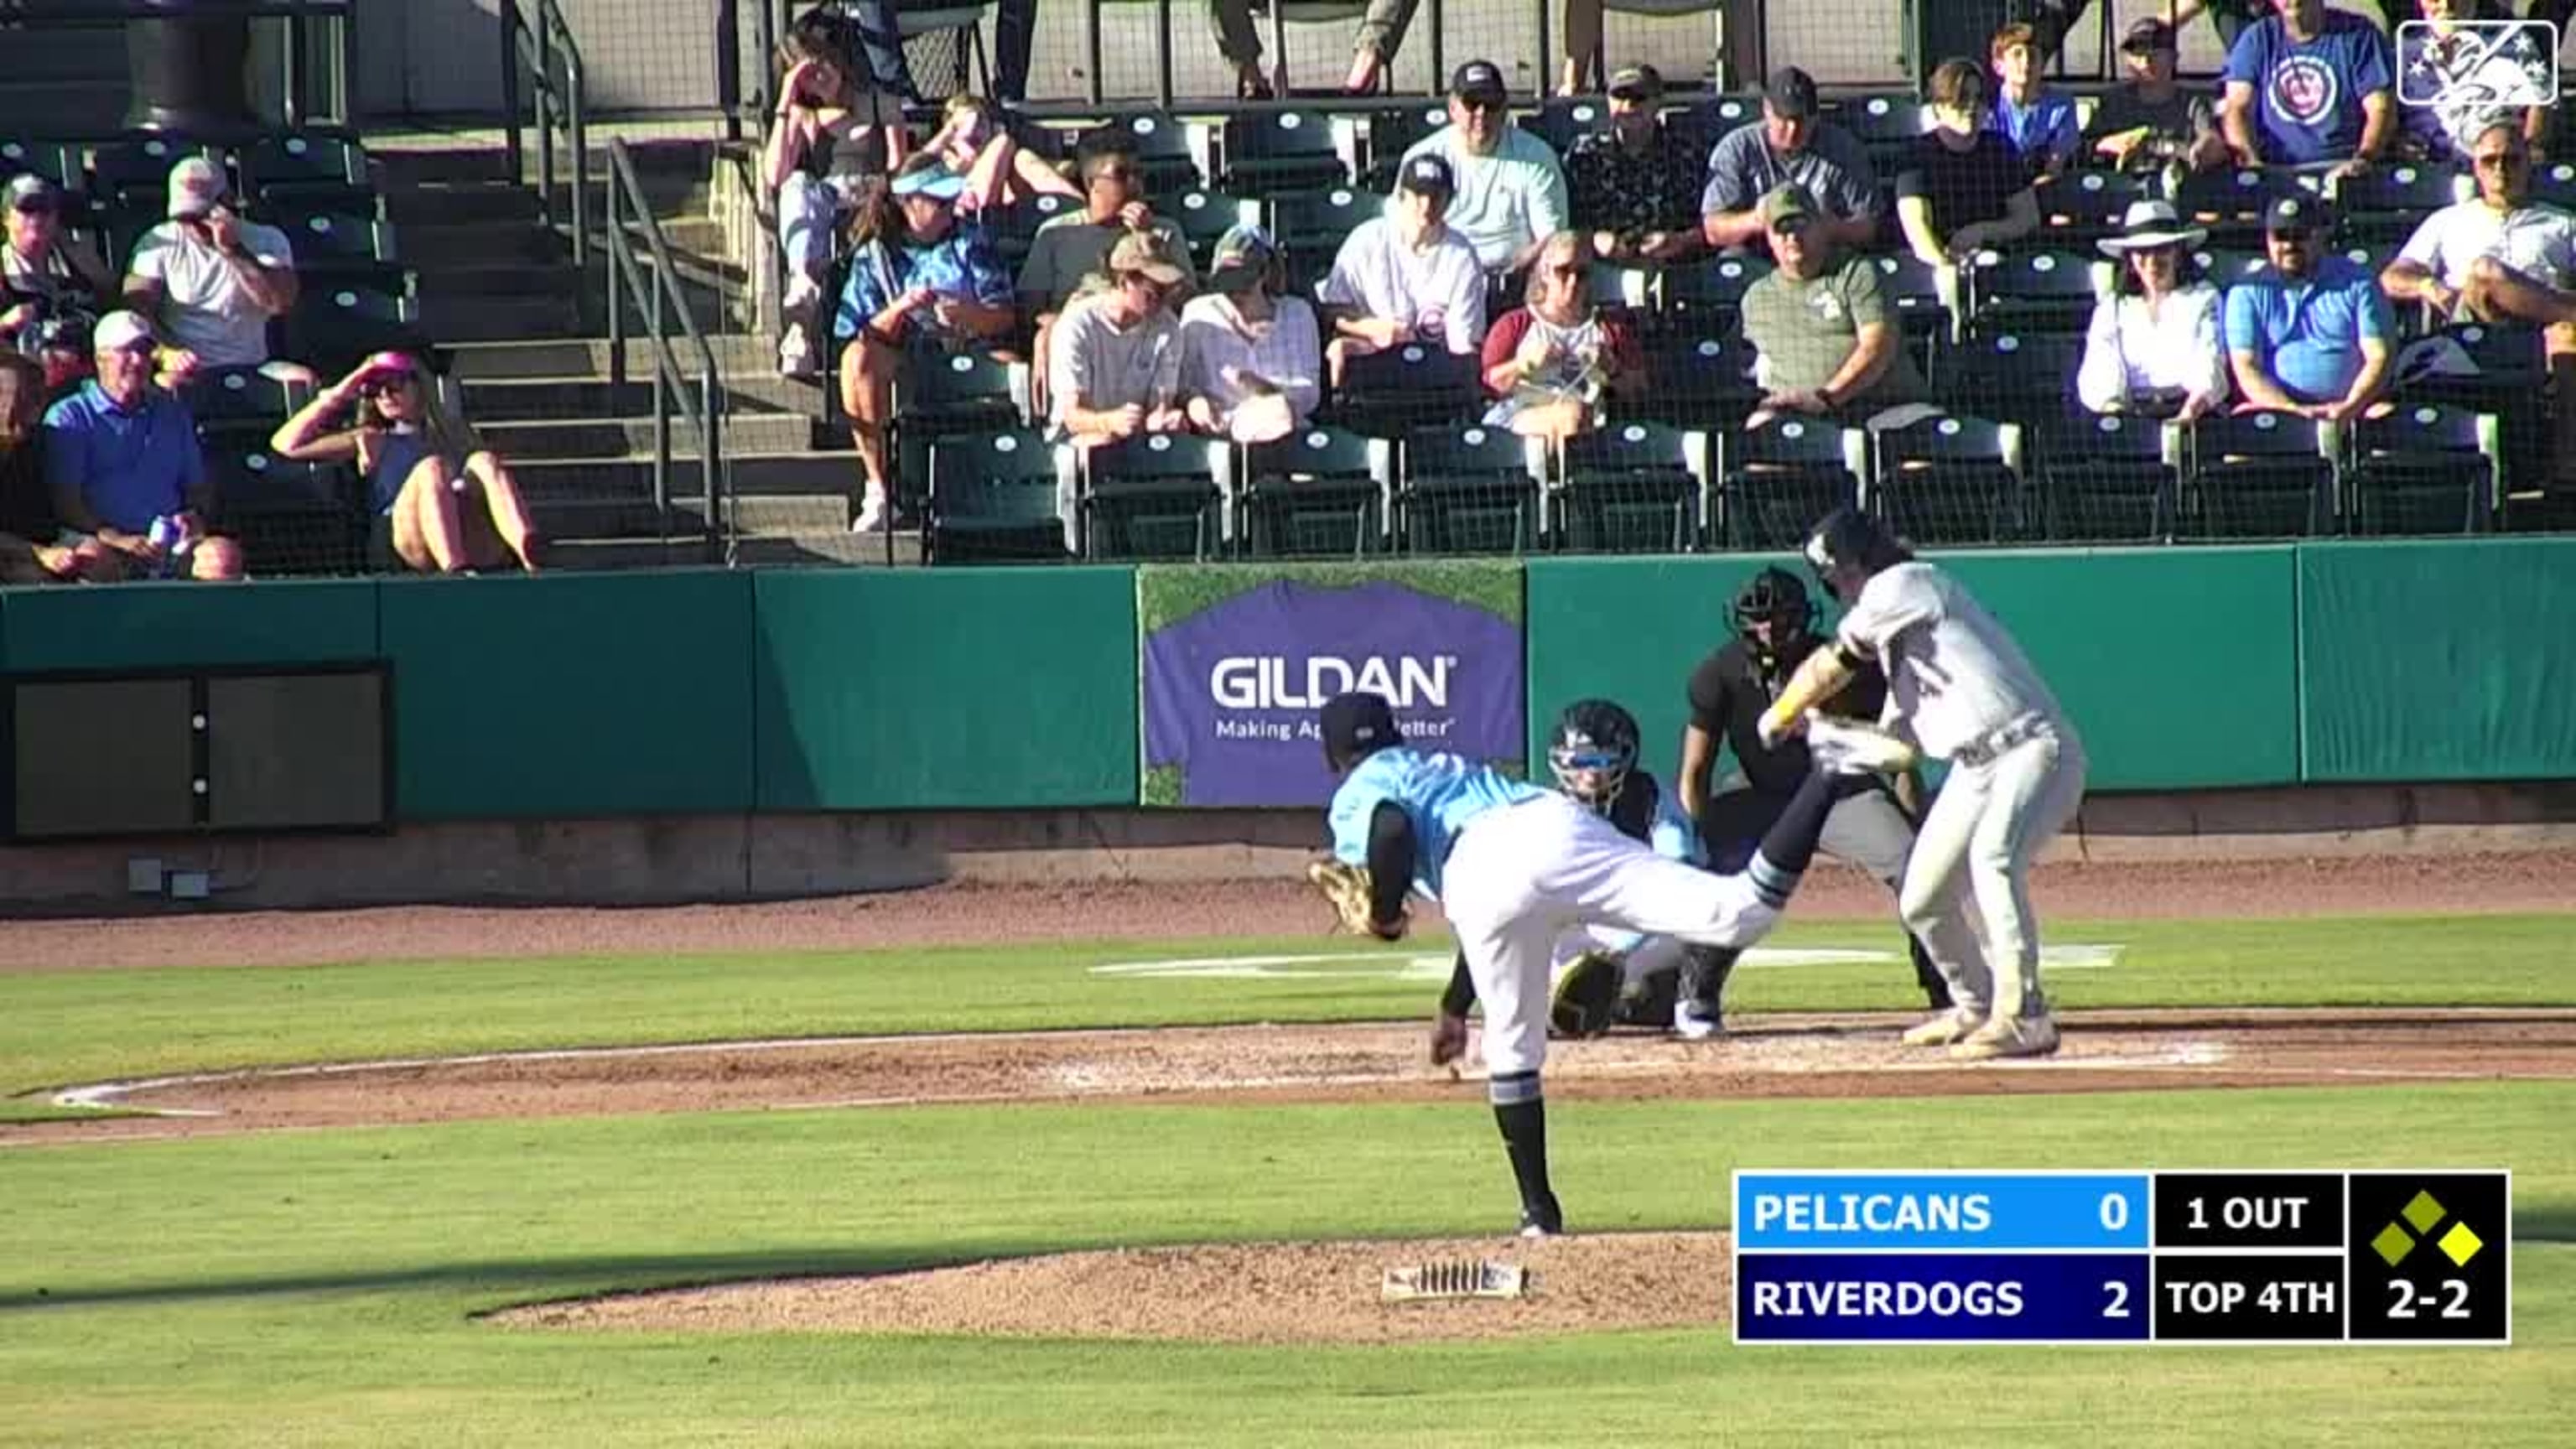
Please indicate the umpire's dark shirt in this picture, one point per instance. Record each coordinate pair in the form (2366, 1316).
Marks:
(1729, 692)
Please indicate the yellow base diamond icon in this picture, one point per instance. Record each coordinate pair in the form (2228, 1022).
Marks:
(2424, 1212)
(2459, 1244)
(2392, 1244)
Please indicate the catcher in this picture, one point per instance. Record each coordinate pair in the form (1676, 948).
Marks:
(1515, 865)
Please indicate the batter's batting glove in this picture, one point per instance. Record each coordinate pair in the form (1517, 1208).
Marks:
(1586, 1000)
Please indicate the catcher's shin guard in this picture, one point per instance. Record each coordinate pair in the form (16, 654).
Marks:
(1649, 1002)
(1586, 1000)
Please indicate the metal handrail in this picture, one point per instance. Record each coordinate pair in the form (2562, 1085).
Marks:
(539, 47)
(629, 213)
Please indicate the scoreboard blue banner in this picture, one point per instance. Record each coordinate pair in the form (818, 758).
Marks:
(2293, 1256)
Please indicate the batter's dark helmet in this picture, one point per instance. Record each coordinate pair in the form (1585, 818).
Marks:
(1355, 726)
(1594, 749)
(1849, 538)
(1776, 597)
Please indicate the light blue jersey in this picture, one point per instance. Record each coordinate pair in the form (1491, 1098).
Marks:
(1439, 793)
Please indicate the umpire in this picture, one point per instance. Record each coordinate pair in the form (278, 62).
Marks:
(1775, 630)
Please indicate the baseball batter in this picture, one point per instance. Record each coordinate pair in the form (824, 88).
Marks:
(1960, 688)
(1514, 866)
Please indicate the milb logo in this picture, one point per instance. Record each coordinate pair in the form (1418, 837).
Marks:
(2478, 64)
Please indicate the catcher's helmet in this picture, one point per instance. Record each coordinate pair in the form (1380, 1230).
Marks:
(1849, 538)
(1594, 749)
(1356, 725)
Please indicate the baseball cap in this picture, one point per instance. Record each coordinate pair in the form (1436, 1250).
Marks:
(1479, 80)
(1428, 175)
(1639, 82)
(2148, 36)
(1146, 252)
(1785, 202)
(1244, 256)
(196, 184)
(2296, 213)
(1356, 723)
(118, 331)
(31, 192)
(935, 182)
(1791, 92)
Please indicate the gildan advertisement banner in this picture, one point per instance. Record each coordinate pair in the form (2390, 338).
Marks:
(1236, 660)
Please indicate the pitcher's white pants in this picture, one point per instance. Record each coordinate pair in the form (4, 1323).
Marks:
(1520, 876)
(1969, 874)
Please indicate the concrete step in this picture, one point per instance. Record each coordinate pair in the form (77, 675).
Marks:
(818, 482)
(454, 319)
(57, 105)
(418, 165)
(835, 549)
(753, 435)
(577, 517)
(531, 399)
(587, 357)
(458, 203)
(472, 243)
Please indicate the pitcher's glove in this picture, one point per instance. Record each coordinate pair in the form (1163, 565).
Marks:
(1348, 888)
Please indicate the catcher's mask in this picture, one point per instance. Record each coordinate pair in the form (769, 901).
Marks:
(1594, 749)
(1355, 726)
(1850, 544)
(1772, 611)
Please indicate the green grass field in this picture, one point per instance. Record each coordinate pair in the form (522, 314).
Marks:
(317, 1287)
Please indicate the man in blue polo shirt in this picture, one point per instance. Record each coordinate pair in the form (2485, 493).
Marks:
(2312, 336)
(2310, 86)
(121, 455)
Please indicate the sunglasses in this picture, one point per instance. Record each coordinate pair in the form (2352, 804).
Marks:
(1600, 760)
(2499, 160)
(1488, 106)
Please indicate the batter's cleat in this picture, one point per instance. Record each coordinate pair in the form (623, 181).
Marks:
(1954, 1025)
(2015, 1036)
(1695, 1022)
(1845, 748)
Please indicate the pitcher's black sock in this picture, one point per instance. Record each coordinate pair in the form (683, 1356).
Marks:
(1521, 1112)
(1790, 844)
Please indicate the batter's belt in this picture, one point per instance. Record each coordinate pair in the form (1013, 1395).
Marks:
(1985, 749)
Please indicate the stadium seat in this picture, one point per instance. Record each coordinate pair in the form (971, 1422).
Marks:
(1564, 120)
(2382, 206)
(940, 393)
(993, 499)
(1392, 132)
(1015, 227)
(332, 328)
(1320, 492)
(1632, 487)
(2554, 185)
(239, 402)
(2230, 204)
(1163, 153)
(2424, 469)
(1702, 382)
(1149, 497)
(2030, 292)
(1884, 124)
(2011, 376)
(2257, 475)
(1708, 299)
(2083, 207)
(2510, 380)
(1385, 393)
(1203, 217)
(1312, 225)
(2225, 267)
(306, 173)
(135, 175)
(341, 250)
(1707, 123)
(1469, 489)
(1951, 480)
(1776, 480)
(1282, 151)
(291, 518)
(2106, 478)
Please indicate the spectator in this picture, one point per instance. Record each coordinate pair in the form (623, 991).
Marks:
(2153, 344)
(2038, 121)
(2458, 63)
(2150, 122)
(1826, 337)
(1069, 250)
(30, 547)
(974, 133)
(1252, 358)
(874, 32)
(2499, 258)
(214, 280)
(1636, 185)
(1406, 277)
(1114, 360)
(919, 276)
(443, 503)
(1553, 364)
(51, 288)
(122, 462)
(1963, 188)
(1508, 193)
(2312, 335)
(1238, 39)
(828, 136)
(1789, 145)
(2310, 87)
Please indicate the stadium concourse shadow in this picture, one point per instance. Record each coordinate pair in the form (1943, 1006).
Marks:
(569, 1276)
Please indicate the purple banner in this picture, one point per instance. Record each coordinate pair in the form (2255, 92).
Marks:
(1230, 692)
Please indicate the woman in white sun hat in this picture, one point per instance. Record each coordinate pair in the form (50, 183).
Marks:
(2153, 347)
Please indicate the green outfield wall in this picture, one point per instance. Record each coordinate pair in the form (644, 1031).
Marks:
(713, 691)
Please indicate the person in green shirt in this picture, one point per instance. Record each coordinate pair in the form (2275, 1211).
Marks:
(1828, 341)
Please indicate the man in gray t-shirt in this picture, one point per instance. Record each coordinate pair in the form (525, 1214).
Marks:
(2151, 121)
(1790, 145)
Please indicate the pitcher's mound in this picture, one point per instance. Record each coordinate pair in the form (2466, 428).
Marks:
(1214, 1293)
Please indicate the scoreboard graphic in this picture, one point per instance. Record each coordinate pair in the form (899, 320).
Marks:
(2290, 1257)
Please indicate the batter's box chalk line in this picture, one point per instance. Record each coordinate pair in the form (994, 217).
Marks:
(1389, 966)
